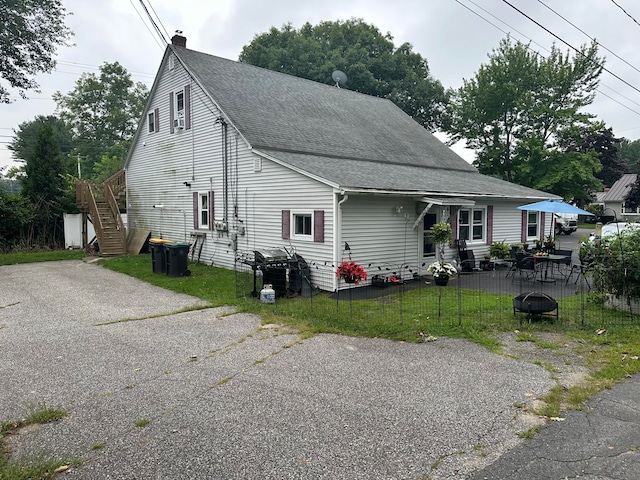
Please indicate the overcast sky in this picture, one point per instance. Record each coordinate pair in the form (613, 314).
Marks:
(454, 36)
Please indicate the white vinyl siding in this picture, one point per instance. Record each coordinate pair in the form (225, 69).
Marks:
(378, 236)
(158, 170)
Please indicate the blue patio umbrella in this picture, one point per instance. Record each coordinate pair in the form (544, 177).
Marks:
(554, 206)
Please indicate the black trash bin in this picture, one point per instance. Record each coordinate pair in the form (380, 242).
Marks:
(176, 258)
(158, 256)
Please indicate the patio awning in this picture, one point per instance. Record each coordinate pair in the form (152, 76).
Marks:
(441, 201)
(466, 202)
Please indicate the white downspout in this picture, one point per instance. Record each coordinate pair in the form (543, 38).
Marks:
(338, 230)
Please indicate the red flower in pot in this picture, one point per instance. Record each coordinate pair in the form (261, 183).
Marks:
(351, 272)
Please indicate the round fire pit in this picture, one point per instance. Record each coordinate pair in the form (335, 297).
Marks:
(535, 303)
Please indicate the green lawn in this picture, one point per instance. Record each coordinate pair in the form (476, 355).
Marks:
(479, 318)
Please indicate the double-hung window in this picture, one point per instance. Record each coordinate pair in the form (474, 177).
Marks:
(152, 122)
(203, 210)
(532, 225)
(471, 224)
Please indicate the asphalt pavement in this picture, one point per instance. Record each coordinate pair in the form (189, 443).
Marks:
(209, 393)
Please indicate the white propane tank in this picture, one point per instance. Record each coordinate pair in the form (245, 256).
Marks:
(267, 294)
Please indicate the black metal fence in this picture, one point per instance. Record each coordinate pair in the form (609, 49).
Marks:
(498, 294)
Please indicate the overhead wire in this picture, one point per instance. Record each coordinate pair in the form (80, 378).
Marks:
(627, 13)
(547, 50)
(153, 22)
(147, 26)
(158, 18)
(570, 46)
(589, 36)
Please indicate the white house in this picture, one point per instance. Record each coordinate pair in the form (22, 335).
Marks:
(246, 159)
(613, 199)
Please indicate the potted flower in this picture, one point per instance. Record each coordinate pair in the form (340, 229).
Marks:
(441, 234)
(351, 272)
(441, 272)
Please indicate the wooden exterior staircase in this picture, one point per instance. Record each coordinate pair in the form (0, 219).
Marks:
(101, 205)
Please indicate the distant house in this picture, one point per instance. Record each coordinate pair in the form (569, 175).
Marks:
(613, 200)
(244, 159)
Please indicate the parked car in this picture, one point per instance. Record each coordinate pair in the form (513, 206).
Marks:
(566, 224)
(615, 228)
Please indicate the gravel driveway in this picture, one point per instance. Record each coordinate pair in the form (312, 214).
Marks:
(227, 398)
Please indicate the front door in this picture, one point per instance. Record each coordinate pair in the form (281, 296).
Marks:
(428, 246)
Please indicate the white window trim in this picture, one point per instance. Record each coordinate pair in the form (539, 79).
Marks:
(179, 112)
(625, 211)
(537, 235)
(203, 226)
(151, 121)
(292, 223)
(471, 240)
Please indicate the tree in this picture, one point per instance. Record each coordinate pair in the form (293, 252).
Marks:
(632, 199)
(372, 63)
(102, 111)
(605, 144)
(15, 213)
(519, 106)
(43, 186)
(629, 151)
(30, 34)
(23, 143)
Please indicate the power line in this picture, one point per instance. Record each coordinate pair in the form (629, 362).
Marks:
(539, 54)
(158, 17)
(570, 46)
(503, 22)
(627, 13)
(589, 37)
(155, 25)
(155, 39)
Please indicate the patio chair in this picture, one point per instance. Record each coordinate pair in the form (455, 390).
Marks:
(524, 266)
(564, 265)
(581, 268)
(467, 259)
(512, 259)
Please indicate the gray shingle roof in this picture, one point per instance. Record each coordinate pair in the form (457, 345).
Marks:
(349, 139)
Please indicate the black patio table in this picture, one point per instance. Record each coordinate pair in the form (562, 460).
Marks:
(542, 263)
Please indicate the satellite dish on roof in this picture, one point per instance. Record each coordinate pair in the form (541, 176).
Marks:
(339, 77)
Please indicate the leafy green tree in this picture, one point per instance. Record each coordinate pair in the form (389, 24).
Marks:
(23, 143)
(371, 61)
(111, 162)
(630, 153)
(30, 34)
(602, 141)
(519, 107)
(15, 213)
(599, 154)
(102, 111)
(632, 200)
(43, 186)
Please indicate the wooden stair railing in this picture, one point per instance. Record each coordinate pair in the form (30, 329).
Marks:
(102, 203)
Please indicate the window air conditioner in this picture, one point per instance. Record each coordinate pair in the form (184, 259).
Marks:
(178, 123)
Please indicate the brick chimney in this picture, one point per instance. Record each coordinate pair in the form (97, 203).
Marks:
(178, 40)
